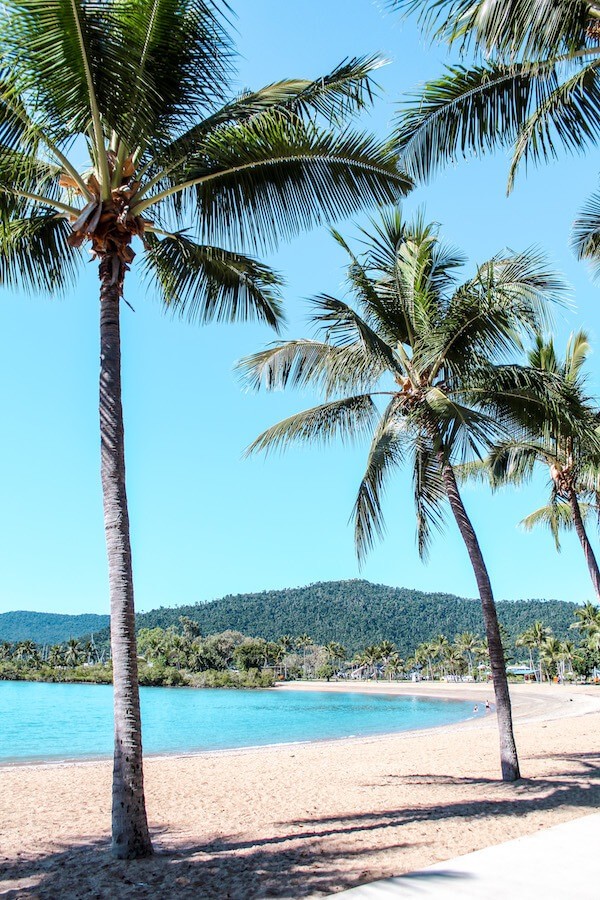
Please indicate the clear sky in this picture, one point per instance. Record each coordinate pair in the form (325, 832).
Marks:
(204, 521)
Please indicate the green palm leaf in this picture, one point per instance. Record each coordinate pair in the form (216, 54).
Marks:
(211, 284)
(586, 233)
(469, 111)
(271, 178)
(35, 254)
(385, 453)
(348, 419)
(299, 364)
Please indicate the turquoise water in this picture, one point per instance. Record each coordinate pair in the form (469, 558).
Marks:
(66, 721)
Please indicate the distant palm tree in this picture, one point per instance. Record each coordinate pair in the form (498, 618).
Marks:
(440, 647)
(469, 645)
(394, 665)
(73, 652)
(119, 128)
(588, 617)
(303, 643)
(435, 353)
(286, 642)
(534, 637)
(568, 451)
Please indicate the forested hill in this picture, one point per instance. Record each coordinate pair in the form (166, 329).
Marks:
(48, 628)
(357, 613)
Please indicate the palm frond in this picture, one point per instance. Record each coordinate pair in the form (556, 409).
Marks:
(180, 56)
(463, 430)
(488, 314)
(469, 111)
(385, 453)
(585, 238)
(299, 364)
(343, 326)
(335, 97)
(508, 27)
(270, 178)
(556, 516)
(35, 255)
(348, 419)
(429, 493)
(211, 284)
(568, 116)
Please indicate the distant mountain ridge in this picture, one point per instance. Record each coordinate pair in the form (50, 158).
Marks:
(355, 613)
(48, 628)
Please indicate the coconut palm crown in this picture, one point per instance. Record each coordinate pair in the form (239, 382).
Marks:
(421, 363)
(120, 134)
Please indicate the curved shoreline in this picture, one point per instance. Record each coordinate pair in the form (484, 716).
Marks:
(531, 703)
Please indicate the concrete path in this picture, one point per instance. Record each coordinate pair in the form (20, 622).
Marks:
(558, 863)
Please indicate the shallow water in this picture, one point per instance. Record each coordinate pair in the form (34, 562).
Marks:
(66, 721)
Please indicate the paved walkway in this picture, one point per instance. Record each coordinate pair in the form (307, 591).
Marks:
(557, 864)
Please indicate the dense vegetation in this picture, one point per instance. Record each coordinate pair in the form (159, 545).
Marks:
(181, 655)
(357, 613)
(47, 628)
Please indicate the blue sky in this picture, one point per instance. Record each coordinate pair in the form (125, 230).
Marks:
(204, 521)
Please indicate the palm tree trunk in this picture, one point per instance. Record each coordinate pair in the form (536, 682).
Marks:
(130, 838)
(508, 750)
(590, 557)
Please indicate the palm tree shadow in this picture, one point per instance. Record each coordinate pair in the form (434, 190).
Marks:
(315, 856)
(225, 870)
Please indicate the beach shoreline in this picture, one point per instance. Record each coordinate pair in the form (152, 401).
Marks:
(310, 818)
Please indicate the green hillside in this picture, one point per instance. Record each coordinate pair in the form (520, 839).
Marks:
(48, 628)
(357, 613)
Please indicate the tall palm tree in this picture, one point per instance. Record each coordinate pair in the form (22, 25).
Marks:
(532, 84)
(118, 128)
(569, 451)
(433, 352)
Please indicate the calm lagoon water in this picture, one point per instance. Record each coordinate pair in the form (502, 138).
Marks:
(66, 721)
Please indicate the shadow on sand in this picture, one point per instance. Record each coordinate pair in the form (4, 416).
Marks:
(306, 857)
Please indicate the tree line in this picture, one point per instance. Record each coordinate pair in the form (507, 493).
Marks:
(182, 656)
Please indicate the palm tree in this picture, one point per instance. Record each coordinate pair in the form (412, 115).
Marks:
(394, 665)
(535, 637)
(469, 645)
(175, 166)
(551, 655)
(73, 654)
(440, 647)
(286, 643)
(570, 451)
(335, 651)
(588, 617)
(532, 87)
(424, 655)
(371, 656)
(432, 351)
(303, 642)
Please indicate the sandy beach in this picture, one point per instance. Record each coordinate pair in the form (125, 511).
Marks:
(306, 820)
